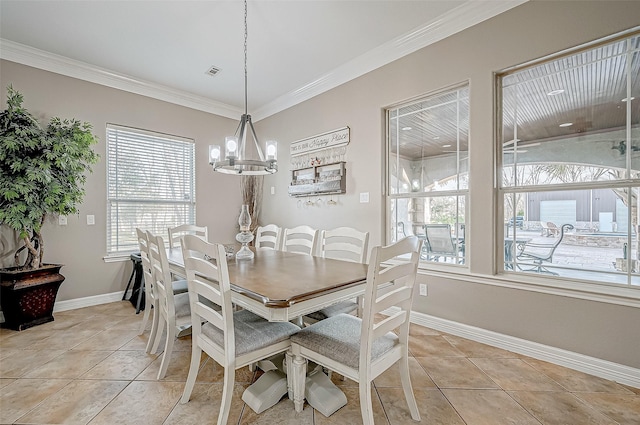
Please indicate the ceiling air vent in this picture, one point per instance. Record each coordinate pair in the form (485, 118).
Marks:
(213, 71)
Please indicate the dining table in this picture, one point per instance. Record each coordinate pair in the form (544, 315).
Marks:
(285, 286)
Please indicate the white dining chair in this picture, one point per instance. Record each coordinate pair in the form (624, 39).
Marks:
(359, 348)
(269, 236)
(150, 298)
(232, 339)
(173, 310)
(346, 244)
(175, 233)
(301, 239)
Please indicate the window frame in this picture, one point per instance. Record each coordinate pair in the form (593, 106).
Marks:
(458, 192)
(565, 283)
(164, 143)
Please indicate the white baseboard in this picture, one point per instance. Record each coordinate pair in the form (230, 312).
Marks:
(87, 301)
(603, 368)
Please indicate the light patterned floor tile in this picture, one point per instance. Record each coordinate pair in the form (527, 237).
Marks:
(432, 405)
(516, 375)
(456, 372)
(75, 404)
(70, 364)
(623, 408)
(129, 407)
(350, 414)
(23, 361)
(488, 407)
(204, 406)
(121, 365)
(559, 408)
(22, 395)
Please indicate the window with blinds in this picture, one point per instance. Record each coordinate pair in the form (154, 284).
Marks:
(150, 185)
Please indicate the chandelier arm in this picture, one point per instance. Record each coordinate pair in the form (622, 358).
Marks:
(255, 140)
(242, 137)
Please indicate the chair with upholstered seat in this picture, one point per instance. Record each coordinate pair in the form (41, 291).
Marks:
(172, 309)
(269, 236)
(232, 339)
(150, 298)
(346, 244)
(301, 239)
(359, 348)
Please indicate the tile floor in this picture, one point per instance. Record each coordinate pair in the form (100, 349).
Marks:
(89, 367)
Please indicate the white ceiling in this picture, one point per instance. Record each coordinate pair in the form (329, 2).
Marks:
(296, 49)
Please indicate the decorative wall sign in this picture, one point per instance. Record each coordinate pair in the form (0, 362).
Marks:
(328, 140)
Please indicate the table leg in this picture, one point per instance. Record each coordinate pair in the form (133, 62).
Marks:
(299, 378)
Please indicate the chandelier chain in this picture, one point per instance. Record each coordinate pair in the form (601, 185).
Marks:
(245, 57)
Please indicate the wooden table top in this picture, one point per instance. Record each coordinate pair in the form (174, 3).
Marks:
(279, 279)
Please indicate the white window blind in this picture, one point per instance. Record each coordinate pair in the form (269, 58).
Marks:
(150, 185)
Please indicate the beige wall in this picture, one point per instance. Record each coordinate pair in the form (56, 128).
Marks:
(79, 247)
(530, 31)
(535, 29)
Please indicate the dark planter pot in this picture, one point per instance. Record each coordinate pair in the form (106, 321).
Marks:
(28, 296)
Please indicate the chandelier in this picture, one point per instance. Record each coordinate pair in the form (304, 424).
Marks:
(237, 160)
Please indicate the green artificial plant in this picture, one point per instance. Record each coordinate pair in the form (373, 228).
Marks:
(42, 172)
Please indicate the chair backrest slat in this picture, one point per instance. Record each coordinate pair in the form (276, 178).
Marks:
(301, 239)
(175, 233)
(269, 236)
(389, 324)
(344, 243)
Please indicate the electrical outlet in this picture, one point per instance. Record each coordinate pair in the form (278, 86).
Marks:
(423, 289)
(364, 197)
(273, 190)
(91, 220)
(62, 220)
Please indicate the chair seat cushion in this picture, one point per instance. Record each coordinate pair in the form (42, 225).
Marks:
(181, 304)
(338, 338)
(179, 286)
(334, 310)
(252, 332)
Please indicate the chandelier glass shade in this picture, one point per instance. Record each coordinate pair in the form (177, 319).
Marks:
(240, 157)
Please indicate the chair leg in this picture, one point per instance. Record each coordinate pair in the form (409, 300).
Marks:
(405, 378)
(145, 317)
(168, 348)
(156, 337)
(289, 365)
(196, 354)
(153, 334)
(366, 407)
(227, 393)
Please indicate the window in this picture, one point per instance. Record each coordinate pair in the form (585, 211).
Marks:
(150, 184)
(427, 173)
(570, 163)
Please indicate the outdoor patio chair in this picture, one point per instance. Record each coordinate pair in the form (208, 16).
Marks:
(439, 243)
(538, 251)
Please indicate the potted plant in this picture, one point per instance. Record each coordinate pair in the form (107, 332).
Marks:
(42, 173)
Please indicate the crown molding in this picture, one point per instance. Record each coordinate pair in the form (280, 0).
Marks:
(462, 17)
(26, 55)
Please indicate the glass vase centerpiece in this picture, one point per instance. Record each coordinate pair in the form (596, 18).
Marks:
(245, 236)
